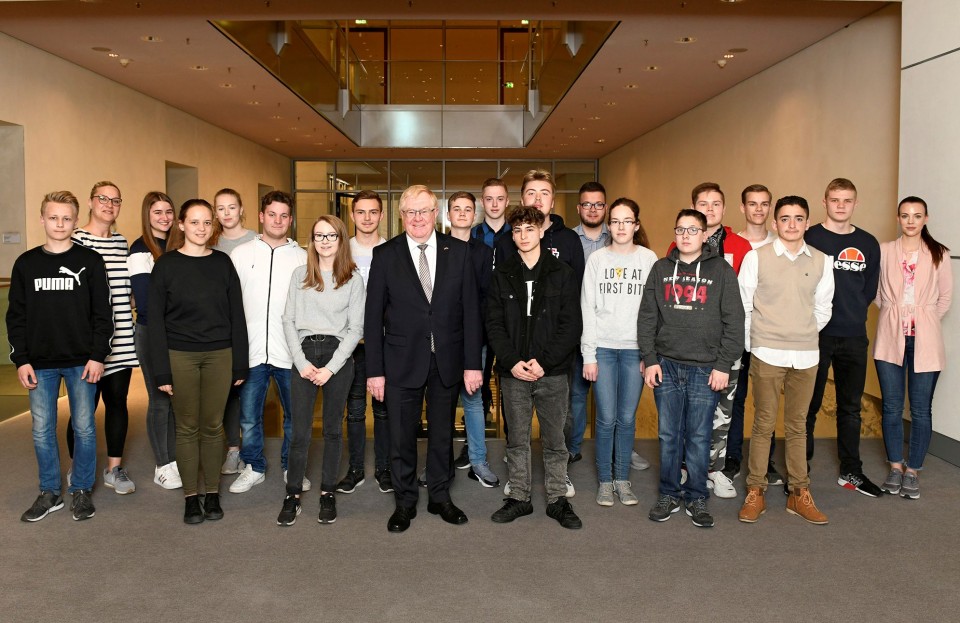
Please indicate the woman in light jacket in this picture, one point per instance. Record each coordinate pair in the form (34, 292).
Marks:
(914, 294)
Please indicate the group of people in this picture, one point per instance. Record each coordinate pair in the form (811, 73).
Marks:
(429, 316)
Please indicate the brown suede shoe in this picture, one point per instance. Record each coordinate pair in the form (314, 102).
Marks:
(754, 506)
(801, 503)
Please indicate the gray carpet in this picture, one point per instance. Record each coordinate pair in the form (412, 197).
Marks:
(883, 559)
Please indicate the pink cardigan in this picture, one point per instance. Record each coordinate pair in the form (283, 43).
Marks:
(932, 290)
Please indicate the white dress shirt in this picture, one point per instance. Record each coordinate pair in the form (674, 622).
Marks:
(431, 252)
(822, 308)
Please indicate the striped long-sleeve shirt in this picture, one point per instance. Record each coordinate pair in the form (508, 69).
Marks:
(114, 251)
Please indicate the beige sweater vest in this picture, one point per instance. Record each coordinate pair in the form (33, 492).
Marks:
(783, 315)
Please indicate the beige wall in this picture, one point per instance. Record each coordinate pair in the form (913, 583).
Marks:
(80, 128)
(829, 111)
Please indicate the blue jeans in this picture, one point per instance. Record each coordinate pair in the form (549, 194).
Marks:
(617, 392)
(43, 410)
(253, 395)
(685, 405)
(474, 417)
(893, 380)
(576, 424)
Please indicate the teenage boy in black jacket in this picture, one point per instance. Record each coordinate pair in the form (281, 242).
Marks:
(534, 325)
(60, 324)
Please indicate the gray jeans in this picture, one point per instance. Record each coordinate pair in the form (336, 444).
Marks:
(550, 396)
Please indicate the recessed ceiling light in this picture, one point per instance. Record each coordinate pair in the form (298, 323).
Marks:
(728, 55)
(276, 117)
(609, 103)
(582, 129)
(686, 40)
(199, 67)
(226, 85)
(113, 55)
(319, 143)
(601, 140)
(651, 68)
(594, 118)
(254, 103)
(100, 48)
(294, 128)
(151, 38)
(631, 86)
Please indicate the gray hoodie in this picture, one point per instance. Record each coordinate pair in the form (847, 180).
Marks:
(691, 313)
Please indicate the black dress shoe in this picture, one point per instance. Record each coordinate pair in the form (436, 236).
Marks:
(573, 458)
(448, 512)
(400, 519)
(211, 507)
(192, 511)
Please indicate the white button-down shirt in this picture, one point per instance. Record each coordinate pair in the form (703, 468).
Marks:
(431, 252)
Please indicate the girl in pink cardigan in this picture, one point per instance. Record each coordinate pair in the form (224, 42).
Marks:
(914, 294)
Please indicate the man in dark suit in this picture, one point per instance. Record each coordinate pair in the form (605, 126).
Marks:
(423, 338)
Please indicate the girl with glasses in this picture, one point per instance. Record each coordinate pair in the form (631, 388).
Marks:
(610, 299)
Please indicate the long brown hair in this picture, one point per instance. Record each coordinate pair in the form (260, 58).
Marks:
(639, 236)
(937, 250)
(149, 239)
(217, 227)
(343, 265)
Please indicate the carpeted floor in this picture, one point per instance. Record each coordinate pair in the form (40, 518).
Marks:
(884, 559)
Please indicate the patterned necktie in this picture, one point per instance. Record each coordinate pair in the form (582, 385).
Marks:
(423, 270)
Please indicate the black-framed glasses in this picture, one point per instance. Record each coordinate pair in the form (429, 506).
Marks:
(116, 201)
(599, 205)
(693, 231)
(331, 237)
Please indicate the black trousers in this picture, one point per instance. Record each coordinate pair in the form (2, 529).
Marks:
(848, 355)
(404, 407)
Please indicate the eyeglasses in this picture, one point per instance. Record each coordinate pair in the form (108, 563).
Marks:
(599, 205)
(322, 237)
(693, 231)
(413, 213)
(116, 201)
(624, 223)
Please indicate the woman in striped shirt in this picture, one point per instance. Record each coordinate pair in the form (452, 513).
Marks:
(98, 234)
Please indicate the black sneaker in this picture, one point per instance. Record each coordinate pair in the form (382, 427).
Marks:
(573, 458)
(462, 461)
(351, 481)
(384, 480)
(773, 476)
(860, 483)
(291, 509)
(328, 508)
(563, 513)
(46, 503)
(697, 510)
(211, 507)
(192, 510)
(512, 509)
(666, 505)
(731, 467)
(82, 505)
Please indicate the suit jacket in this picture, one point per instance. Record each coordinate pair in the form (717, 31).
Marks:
(399, 320)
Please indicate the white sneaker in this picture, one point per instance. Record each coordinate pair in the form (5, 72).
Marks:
(506, 488)
(246, 480)
(168, 476)
(570, 490)
(232, 463)
(305, 485)
(721, 485)
(637, 462)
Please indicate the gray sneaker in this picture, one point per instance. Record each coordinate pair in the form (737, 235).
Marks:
(482, 473)
(701, 517)
(911, 486)
(893, 482)
(638, 463)
(666, 505)
(605, 494)
(232, 464)
(569, 484)
(624, 491)
(118, 480)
